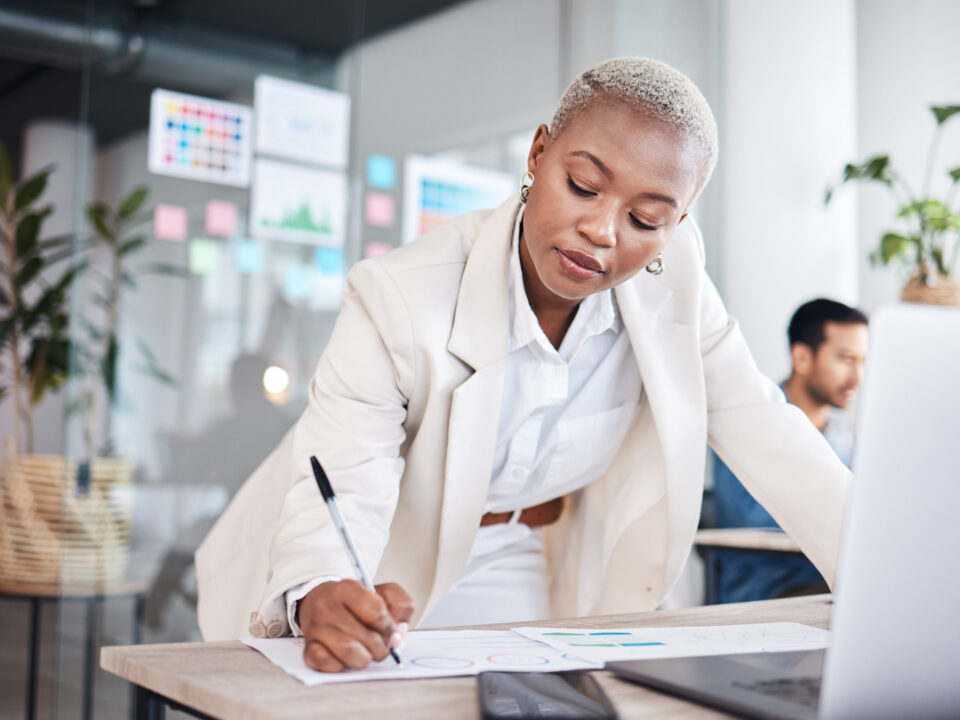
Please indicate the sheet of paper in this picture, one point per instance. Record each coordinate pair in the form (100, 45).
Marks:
(651, 642)
(426, 654)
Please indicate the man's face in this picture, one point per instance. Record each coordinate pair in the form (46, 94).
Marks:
(608, 195)
(836, 369)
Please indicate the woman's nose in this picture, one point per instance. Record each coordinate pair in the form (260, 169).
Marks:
(599, 227)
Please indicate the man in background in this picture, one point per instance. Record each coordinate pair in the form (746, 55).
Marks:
(828, 346)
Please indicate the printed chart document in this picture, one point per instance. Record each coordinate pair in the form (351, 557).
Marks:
(610, 644)
(438, 653)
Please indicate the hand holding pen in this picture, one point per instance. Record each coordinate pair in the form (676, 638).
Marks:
(349, 623)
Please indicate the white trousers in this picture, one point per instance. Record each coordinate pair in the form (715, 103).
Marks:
(505, 580)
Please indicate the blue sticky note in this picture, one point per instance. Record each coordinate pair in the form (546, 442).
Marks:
(296, 282)
(328, 260)
(381, 172)
(248, 257)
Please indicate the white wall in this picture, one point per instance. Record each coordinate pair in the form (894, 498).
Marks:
(789, 114)
(909, 58)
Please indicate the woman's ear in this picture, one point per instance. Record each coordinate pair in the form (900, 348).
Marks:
(541, 139)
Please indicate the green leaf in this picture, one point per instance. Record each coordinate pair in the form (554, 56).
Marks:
(150, 366)
(44, 309)
(129, 280)
(29, 271)
(935, 214)
(937, 254)
(28, 230)
(6, 325)
(944, 112)
(108, 367)
(46, 366)
(156, 373)
(893, 245)
(954, 174)
(99, 216)
(58, 242)
(6, 174)
(132, 202)
(163, 269)
(132, 244)
(31, 189)
(79, 405)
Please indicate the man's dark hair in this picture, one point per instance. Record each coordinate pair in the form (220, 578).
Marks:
(807, 323)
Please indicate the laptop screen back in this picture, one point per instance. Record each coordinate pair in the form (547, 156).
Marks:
(896, 623)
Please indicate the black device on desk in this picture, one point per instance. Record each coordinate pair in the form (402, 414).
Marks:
(558, 696)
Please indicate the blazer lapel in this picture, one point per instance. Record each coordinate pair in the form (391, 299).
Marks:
(668, 357)
(480, 338)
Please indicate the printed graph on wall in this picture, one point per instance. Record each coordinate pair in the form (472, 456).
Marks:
(301, 122)
(435, 191)
(199, 138)
(298, 204)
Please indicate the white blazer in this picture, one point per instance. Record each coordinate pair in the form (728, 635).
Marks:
(403, 414)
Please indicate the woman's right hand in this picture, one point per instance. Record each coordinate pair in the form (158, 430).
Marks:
(346, 625)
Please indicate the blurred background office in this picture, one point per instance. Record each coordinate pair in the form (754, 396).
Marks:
(218, 165)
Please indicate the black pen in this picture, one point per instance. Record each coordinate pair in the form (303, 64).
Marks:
(330, 499)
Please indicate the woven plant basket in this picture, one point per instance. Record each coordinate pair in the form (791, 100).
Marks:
(943, 291)
(51, 533)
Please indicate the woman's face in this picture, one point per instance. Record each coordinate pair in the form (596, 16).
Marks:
(608, 193)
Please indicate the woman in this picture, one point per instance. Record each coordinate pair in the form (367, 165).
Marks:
(514, 409)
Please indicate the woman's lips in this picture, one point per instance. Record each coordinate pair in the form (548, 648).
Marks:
(578, 264)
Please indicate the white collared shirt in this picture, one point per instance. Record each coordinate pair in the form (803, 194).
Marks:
(565, 411)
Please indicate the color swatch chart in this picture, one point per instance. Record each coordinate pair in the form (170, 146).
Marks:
(651, 642)
(437, 190)
(199, 138)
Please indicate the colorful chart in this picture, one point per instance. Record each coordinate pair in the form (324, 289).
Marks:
(436, 191)
(199, 138)
(298, 204)
(301, 122)
(638, 643)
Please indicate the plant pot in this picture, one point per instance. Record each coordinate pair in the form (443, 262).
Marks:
(52, 532)
(931, 288)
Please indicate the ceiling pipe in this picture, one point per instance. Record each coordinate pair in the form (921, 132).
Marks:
(182, 57)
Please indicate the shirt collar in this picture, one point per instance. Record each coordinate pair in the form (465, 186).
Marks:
(597, 314)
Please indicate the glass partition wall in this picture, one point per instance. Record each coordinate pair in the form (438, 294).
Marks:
(217, 167)
(206, 193)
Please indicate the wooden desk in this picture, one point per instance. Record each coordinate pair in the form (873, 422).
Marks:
(229, 680)
(767, 539)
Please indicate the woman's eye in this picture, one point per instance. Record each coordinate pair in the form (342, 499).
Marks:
(583, 192)
(641, 225)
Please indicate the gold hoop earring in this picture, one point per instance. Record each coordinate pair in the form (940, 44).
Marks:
(656, 266)
(526, 182)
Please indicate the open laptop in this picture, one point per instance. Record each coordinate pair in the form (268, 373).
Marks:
(896, 621)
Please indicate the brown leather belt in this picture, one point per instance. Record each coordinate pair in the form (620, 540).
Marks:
(536, 516)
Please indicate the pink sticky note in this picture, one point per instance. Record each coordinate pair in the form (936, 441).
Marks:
(372, 249)
(379, 209)
(221, 218)
(170, 222)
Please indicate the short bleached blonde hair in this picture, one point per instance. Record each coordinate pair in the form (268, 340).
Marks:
(650, 86)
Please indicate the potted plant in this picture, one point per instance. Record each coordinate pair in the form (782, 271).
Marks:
(97, 349)
(928, 241)
(52, 528)
(62, 520)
